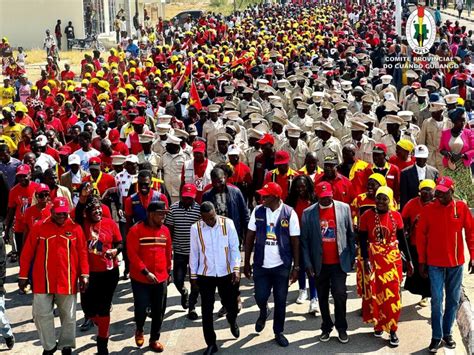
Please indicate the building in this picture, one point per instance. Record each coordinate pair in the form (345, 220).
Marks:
(24, 22)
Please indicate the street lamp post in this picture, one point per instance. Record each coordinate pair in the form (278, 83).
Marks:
(398, 16)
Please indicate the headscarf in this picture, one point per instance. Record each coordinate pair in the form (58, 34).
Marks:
(387, 191)
(379, 178)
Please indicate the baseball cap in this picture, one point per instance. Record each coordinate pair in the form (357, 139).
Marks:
(41, 188)
(234, 150)
(282, 157)
(421, 151)
(271, 189)
(114, 136)
(189, 190)
(42, 140)
(324, 189)
(60, 205)
(426, 183)
(140, 120)
(444, 184)
(131, 158)
(95, 161)
(156, 206)
(23, 169)
(331, 160)
(380, 148)
(74, 159)
(267, 138)
(199, 147)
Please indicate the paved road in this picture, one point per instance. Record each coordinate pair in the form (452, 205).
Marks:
(181, 335)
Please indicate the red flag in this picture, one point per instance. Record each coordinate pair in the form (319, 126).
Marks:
(187, 73)
(194, 99)
(241, 60)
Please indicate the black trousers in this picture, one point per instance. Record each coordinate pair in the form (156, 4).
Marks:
(97, 299)
(332, 278)
(18, 242)
(153, 296)
(180, 269)
(227, 292)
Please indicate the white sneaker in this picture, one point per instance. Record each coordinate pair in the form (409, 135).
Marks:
(314, 306)
(303, 296)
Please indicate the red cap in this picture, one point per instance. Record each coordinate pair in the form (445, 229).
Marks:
(189, 190)
(444, 184)
(114, 136)
(219, 100)
(267, 138)
(380, 148)
(41, 114)
(415, 85)
(95, 161)
(461, 76)
(269, 71)
(60, 205)
(139, 120)
(133, 111)
(199, 147)
(282, 157)
(42, 188)
(65, 150)
(271, 189)
(23, 169)
(141, 104)
(323, 189)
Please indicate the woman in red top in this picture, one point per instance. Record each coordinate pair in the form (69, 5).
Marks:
(380, 231)
(417, 284)
(300, 197)
(104, 243)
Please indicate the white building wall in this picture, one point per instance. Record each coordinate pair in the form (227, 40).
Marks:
(24, 21)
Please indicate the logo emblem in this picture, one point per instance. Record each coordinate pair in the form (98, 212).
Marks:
(284, 223)
(421, 30)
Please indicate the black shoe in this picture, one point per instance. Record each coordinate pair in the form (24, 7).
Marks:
(222, 312)
(211, 349)
(185, 299)
(50, 352)
(66, 351)
(394, 341)
(342, 336)
(87, 325)
(102, 348)
(281, 340)
(378, 333)
(234, 329)
(262, 319)
(449, 342)
(192, 314)
(325, 336)
(125, 276)
(10, 341)
(434, 345)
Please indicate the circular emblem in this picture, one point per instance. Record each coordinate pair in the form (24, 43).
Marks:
(421, 30)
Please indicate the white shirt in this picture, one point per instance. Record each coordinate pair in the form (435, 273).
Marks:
(124, 181)
(45, 161)
(421, 172)
(76, 178)
(85, 156)
(272, 256)
(214, 250)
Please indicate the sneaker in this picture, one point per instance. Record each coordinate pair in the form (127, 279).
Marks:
(139, 338)
(394, 341)
(342, 336)
(314, 306)
(378, 333)
(423, 302)
(302, 296)
(434, 345)
(10, 341)
(449, 342)
(185, 299)
(325, 336)
(192, 314)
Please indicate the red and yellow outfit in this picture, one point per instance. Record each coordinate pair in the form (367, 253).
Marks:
(389, 171)
(60, 257)
(283, 180)
(341, 187)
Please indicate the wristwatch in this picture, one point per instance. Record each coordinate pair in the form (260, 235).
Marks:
(296, 268)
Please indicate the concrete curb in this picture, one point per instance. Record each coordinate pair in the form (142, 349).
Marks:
(465, 320)
(455, 15)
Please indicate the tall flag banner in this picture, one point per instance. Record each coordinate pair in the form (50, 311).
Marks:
(194, 99)
(187, 73)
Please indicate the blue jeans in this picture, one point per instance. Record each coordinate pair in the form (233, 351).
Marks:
(448, 278)
(265, 280)
(5, 328)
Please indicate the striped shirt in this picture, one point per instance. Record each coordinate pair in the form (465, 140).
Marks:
(181, 219)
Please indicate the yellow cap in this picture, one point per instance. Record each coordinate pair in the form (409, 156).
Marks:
(426, 183)
(379, 178)
(406, 144)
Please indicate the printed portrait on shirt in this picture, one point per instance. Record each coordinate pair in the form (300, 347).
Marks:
(328, 230)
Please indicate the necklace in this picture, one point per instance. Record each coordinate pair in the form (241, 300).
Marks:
(378, 227)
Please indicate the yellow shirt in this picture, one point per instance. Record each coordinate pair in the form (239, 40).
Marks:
(14, 132)
(7, 95)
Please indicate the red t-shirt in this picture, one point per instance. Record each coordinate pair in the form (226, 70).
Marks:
(327, 220)
(20, 198)
(121, 147)
(301, 205)
(367, 224)
(33, 214)
(101, 237)
(411, 212)
(106, 182)
(395, 160)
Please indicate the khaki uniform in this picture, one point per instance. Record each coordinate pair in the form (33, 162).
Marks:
(314, 111)
(298, 155)
(250, 155)
(306, 92)
(280, 139)
(209, 131)
(332, 147)
(389, 141)
(430, 135)
(218, 158)
(376, 134)
(341, 130)
(420, 112)
(153, 158)
(363, 148)
(158, 147)
(285, 98)
(354, 107)
(306, 123)
(243, 105)
(381, 91)
(171, 167)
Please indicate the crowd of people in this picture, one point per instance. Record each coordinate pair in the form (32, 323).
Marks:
(279, 132)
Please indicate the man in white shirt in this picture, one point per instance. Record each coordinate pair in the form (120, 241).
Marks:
(214, 262)
(274, 231)
(43, 160)
(86, 152)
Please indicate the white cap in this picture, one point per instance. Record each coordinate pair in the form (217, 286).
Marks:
(173, 140)
(74, 159)
(386, 79)
(42, 140)
(233, 150)
(421, 151)
(146, 137)
(185, 95)
(132, 158)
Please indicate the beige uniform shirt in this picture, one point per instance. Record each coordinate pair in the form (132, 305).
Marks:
(171, 167)
(209, 131)
(298, 155)
(153, 158)
(389, 141)
(306, 123)
(363, 148)
(332, 147)
(430, 135)
(342, 130)
(250, 155)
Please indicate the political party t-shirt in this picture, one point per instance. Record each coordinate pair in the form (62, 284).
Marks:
(327, 221)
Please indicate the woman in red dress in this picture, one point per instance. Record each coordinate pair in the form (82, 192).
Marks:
(380, 232)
